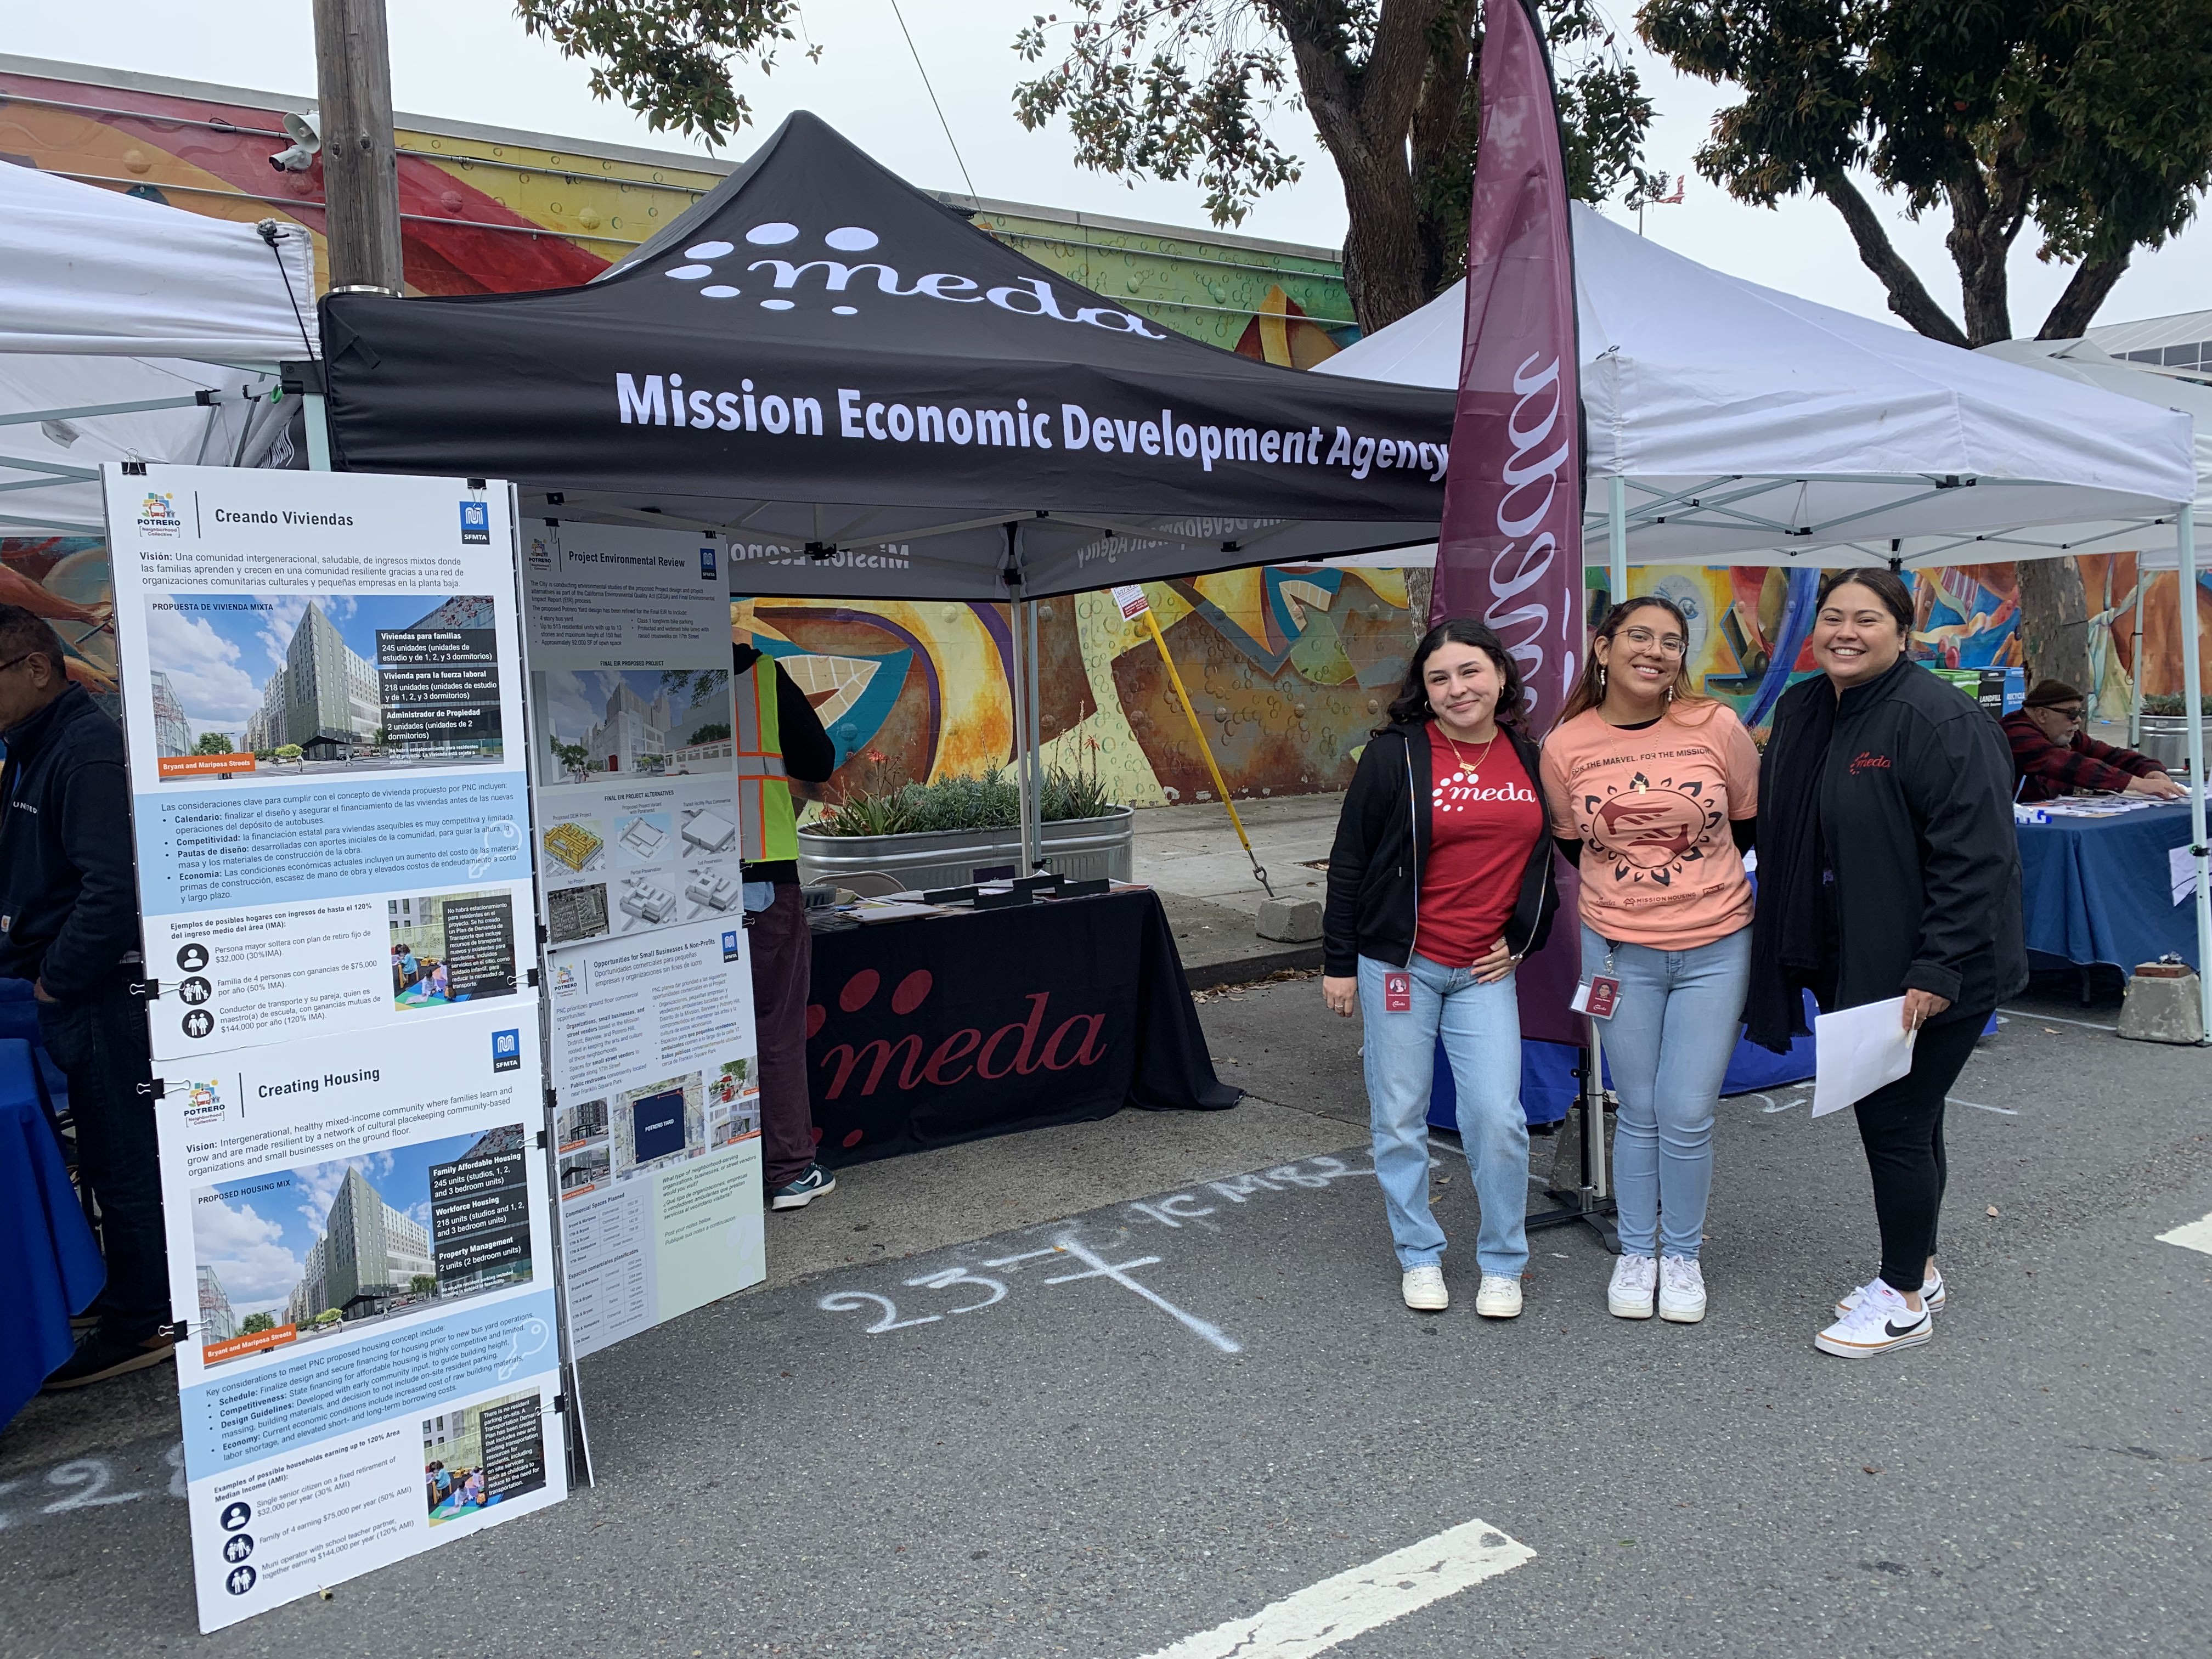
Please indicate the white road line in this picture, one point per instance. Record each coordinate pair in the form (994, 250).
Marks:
(2195, 1236)
(2053, 1019)
(2007, 1111)
(1352, 1603)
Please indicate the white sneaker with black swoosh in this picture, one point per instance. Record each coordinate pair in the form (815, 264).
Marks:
(1880, 1322)
(1931, 1292)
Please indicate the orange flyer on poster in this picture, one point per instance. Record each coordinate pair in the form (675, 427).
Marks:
(188, 766)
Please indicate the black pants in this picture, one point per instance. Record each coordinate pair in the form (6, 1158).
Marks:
(99, 1043)
(782, 952)
(1902, 1126)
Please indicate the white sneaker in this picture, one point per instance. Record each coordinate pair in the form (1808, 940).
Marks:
(1931, 1294)
(1634, 1279)
(1880, 1322)
(1498, 1298)
(1424, 1289)
(1682, 1290)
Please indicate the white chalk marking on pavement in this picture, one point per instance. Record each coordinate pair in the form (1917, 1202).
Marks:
(1953, 1100)
(1118, 1273)
(2053, 1019)
(2195, 1236)
(1335, 1610)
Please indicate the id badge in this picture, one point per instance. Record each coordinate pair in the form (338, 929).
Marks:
(1397, 993)
(1597, 996)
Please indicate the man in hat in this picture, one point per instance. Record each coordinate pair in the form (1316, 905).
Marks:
(2053, 756)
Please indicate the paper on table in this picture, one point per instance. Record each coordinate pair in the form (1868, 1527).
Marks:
(2181, 869)
(1856, 1051)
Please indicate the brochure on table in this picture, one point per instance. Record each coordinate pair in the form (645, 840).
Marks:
(656, 1083)
(323, 708)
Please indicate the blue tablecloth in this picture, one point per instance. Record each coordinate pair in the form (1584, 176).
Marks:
(2099, 889)
(50, 1266)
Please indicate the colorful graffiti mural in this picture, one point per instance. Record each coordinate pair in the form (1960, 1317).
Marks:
(65, 580)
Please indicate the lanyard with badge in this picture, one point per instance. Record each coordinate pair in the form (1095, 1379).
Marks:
(1599, 995)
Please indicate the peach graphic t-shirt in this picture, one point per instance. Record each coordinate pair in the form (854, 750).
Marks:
(1651, 807)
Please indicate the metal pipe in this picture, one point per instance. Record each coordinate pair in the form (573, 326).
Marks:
(2135, 666)
(1035, 746)
(2192, 700)
(1616, 535)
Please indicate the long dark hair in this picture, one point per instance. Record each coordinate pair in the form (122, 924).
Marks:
(1411, 703)
(1589, 689)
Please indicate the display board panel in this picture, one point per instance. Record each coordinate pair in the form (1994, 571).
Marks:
(323, 705)
(656, 1082)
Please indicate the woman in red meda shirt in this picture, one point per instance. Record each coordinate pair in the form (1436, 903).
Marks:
(1655, 789)
(1438, 884)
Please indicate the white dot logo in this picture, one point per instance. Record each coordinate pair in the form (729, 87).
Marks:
(692, 273)
(845, 239)
(708, 250)
(719, 291)
(775, 305)
(851, 239)
(773, 235)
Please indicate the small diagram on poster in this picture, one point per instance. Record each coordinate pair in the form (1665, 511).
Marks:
(451, 947)
(601, 726)
(270, 688)
(475, 1456)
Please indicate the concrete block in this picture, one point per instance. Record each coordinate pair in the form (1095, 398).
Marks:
(1293, 922)
(2162, 1006)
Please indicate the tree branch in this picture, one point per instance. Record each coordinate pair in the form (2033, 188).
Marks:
(1908, 297)
(2092, 282)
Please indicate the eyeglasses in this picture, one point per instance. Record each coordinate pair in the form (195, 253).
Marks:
(13, 661)
(1670, 645)
(2074, 714)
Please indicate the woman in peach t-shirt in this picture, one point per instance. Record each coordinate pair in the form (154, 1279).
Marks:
(1655, 790)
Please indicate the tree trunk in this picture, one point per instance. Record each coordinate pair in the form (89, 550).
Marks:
(2091, 281)
(2054, 627)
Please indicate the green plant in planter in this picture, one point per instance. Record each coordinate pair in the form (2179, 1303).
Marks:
(2171, 704)
(989, 801)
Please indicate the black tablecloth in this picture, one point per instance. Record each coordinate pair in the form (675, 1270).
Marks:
(930, 1032)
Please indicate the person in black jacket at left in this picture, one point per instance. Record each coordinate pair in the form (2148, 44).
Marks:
(69, 923)
(1439, 882)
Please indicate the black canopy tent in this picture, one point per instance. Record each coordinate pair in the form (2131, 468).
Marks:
(869, 398)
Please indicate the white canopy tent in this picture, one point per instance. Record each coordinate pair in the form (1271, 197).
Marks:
(1734, 424)
(130, 330)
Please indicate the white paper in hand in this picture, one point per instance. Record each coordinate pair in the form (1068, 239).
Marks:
(1856, 1051)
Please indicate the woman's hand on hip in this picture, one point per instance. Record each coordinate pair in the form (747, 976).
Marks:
(1494, 964)
(1921, 1007)
(1341, 993)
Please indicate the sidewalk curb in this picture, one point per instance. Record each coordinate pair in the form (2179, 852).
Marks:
(1239, 970)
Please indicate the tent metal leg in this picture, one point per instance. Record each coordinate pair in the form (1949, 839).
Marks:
(2192, 703)
(1616, 536)
(1017, 673)
(319, 432)
(2135, 666)
(1592, 1202)
(1033, 743)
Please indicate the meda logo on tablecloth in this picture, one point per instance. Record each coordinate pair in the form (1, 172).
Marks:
(775, 280)
(157, 515)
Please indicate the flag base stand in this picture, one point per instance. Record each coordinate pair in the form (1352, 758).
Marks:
(1590, 1201)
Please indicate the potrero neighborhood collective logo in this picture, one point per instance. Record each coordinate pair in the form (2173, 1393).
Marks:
(157, 515)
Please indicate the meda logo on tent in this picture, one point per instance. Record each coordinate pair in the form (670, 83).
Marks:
(158, 515)
(1030, 297)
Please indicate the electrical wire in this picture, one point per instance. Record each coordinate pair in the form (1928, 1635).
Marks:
(934, 104)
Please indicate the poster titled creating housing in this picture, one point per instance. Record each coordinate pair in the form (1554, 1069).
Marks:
(322, 691)
(657, 1088)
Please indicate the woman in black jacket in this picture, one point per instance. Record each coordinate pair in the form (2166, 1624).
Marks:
(1887, 868)
(1439, 882)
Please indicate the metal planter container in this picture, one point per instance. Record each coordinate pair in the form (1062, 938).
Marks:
(2165, 740)
(1081, 847)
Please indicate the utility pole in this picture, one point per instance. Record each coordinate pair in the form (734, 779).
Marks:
(361, 163)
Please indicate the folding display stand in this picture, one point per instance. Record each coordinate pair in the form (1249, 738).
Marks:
(1592, 1200)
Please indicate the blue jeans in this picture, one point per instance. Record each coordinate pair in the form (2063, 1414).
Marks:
(1481, 1026)
(1668, 1047)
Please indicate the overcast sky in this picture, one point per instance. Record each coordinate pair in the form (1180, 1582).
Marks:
(469, 60)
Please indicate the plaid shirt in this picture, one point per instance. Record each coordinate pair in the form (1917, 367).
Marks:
(2048, 770)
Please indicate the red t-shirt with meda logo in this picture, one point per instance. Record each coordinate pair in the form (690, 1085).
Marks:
(1483, 823)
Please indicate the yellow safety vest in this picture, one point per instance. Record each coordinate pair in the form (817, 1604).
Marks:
(767, 826)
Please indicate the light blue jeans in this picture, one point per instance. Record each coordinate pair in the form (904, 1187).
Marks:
(1481, 1026)
(1668, 1047)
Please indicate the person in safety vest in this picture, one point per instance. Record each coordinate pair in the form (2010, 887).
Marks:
(779, 737)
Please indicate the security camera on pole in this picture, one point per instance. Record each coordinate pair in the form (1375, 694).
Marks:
(360, 161)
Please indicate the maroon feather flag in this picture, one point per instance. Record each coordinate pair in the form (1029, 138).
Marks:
(1510, 552)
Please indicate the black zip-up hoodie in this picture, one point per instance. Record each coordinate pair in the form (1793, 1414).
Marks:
(1382, 841)
(1902, 789)
(68, 898)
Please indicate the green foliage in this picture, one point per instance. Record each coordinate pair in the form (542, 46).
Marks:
(991, 801)
(2090, 119)
(669, 59)
(290, 751)
(254, 1323)
(2172, 703)
(214, 743)
(687, 688)
(423, 1283)
(1183, 88)
(712, 731)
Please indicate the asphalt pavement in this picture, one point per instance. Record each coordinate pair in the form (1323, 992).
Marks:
(1113, 1387)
